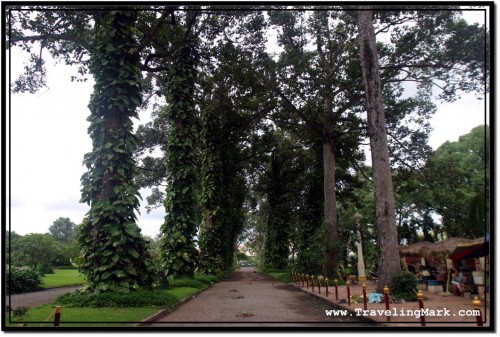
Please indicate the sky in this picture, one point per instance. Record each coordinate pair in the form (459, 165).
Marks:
(48, 138)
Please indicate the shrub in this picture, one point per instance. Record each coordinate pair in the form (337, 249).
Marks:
(66, 267)
(22, 280)
(187, 282)
(404, 286)
(206, 279)
(45, 269)
(138, 298)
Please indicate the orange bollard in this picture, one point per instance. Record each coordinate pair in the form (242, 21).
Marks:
(326, 286)
(307, 281)
(477, 305)
(420, 297)
(348, 284)
(336, 290)
(57, 316)
(386, 300)
(364, 296)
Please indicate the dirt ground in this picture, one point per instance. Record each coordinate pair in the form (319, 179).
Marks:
(249, 298)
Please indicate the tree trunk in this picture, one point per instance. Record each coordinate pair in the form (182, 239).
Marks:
(389, 262)
(330, 206)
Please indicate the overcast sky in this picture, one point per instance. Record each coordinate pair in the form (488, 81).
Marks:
(49, 138)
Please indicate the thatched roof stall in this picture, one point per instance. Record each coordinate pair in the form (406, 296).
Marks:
(427, 249)
(415, 249)
(435, 254)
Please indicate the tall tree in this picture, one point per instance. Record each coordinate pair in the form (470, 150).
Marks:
(457, 176)
(180, 224)
(233, 104)
(315, 86)
(34, 249)
(114, 253)
(63, 230)
(385, 212)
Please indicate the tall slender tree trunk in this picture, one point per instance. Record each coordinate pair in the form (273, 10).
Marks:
(388, 257)
(330, 206)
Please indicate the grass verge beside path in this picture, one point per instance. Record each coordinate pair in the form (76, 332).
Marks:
(43, 316)
(88, 317)
(62, 278)
(282, 275)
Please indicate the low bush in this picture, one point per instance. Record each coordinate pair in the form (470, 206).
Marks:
(404, 286)
(66, 267)
(206, 279)
(22, 280)
(187, 282)
(139, 298)
(45, 269)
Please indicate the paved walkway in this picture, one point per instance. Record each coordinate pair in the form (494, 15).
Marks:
(253, 299)
(36, 298)
(449, 310)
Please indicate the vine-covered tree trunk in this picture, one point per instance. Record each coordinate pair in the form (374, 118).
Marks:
(276, 244)
(115, 256)
(212, 240)
(179, 228)
(388, 257)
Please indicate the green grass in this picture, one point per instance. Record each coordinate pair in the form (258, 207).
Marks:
(44, 313)
(62, 278)
(102, 317)
(282, 276)
(181, 292)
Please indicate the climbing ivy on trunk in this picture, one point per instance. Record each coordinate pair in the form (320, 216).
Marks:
(114, 253)
(179, 228)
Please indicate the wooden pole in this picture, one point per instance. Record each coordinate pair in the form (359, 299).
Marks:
(57, 316)
(386, 299)
(348, 284)
(420, 297)
(336, 290)
(365, 306)
(477, 305)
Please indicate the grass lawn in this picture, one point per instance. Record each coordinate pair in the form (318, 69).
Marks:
(62, 278)
(41, 314)
(282, 276)
(97, 317)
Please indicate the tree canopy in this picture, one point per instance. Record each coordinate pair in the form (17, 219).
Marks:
(246, 142)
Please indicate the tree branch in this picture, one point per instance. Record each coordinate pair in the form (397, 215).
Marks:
(148, 38)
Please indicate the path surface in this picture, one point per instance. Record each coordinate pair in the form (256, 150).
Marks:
(36, 298)
(254, 299)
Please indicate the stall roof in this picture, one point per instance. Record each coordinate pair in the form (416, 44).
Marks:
(444, 247)
(477, 248)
